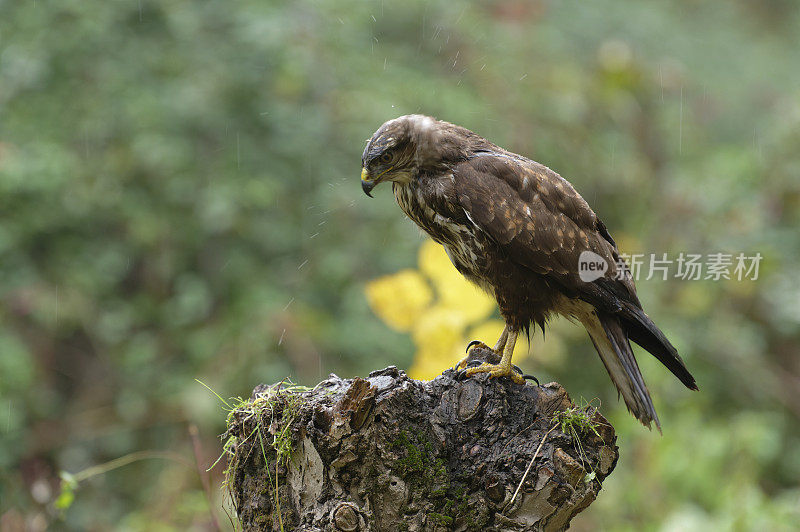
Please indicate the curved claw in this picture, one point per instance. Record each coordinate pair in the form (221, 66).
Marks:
(526, 376)
(474, 342)
(462, 367)
(531, 377)
(496, 370)
(464, 362)
(461, 364)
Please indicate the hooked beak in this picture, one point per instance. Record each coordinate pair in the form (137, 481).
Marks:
(367, 184)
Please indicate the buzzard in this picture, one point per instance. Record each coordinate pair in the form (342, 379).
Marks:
(520, 231)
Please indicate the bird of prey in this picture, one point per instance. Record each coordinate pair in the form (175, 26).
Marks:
(520, 231)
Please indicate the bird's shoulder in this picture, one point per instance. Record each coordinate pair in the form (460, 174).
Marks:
(535, 214)
(522, 179)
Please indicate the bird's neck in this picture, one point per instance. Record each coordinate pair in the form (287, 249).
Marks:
(407, 177)
(406, 193)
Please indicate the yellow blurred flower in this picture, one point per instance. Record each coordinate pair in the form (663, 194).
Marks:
(438, 335)
(399, 299)
(442, 326)
(439, 328)
(454, 290)
(433, 261)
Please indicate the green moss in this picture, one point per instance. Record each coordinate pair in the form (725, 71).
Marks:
(430, 477)
(419, 467)
(576, 421)
(440, 519)
(413, 461)
(456, 504)
(263, 423)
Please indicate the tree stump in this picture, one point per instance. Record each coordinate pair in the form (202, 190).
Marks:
(390, 453)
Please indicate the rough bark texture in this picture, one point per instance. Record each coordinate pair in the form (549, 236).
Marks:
(390, 453)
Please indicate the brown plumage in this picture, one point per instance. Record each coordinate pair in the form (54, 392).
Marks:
(517, 229)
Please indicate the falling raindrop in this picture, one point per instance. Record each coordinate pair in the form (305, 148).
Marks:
(613, 152)
(680, 126)
(757, 144)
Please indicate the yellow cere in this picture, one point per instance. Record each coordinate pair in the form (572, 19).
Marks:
(364, 175)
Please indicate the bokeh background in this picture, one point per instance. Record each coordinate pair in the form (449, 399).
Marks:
(179, 200)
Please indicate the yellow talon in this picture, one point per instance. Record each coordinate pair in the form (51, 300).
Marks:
(505, 349)
(472, 345)
(497, 370)
(461, 363)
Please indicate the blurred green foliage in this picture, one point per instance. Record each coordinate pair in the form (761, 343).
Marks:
(179, 199)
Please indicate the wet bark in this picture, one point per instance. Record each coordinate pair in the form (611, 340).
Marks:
(390, 453)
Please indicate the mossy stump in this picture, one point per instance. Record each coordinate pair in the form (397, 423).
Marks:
(389, 453)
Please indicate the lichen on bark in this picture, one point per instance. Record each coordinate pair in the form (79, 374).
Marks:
(390, 453)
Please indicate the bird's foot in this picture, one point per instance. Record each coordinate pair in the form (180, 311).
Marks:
(493, 355)
(498, 370)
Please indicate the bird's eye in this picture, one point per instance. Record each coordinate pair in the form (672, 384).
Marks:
(386, 157)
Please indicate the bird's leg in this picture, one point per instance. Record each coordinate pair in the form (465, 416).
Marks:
(501, 343)
(498, 348)
(504, 368)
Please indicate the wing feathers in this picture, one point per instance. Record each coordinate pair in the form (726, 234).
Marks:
(537, 217)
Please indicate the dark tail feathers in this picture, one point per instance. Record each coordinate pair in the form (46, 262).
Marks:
(641, 329)
(611, 342)
(610, 334)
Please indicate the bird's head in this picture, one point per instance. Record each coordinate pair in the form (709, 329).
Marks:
(404, 146)
(390, 155)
